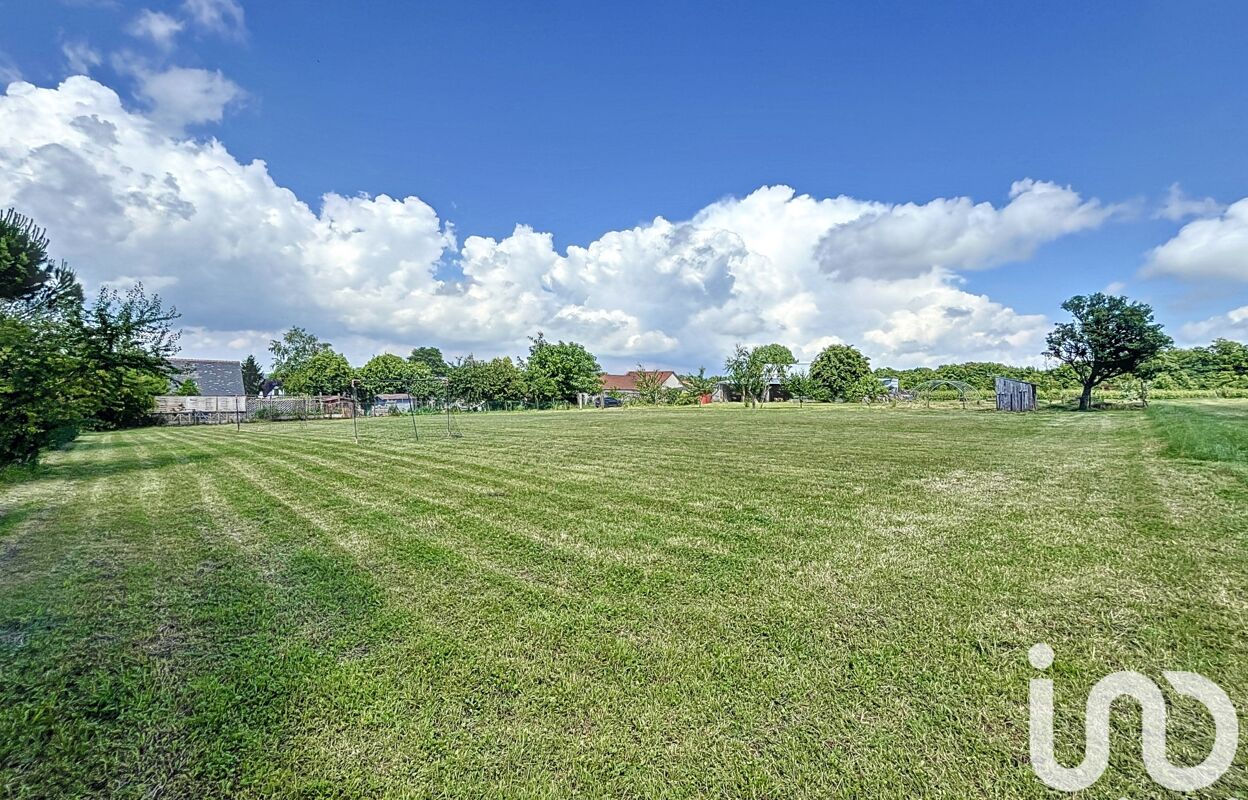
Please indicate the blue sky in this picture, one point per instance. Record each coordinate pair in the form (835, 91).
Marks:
(578, 121)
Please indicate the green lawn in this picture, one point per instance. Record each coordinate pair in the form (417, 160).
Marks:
(829, 601)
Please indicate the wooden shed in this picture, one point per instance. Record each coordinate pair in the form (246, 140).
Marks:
(1015, 395)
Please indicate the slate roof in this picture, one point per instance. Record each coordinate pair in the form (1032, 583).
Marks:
(211, 376)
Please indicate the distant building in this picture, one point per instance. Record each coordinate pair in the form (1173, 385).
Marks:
(626, 384)
(891, 385)
(213, 377)
(383, 403)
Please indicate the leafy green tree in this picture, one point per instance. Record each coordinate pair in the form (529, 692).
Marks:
(24, 264)
(496, 380)
(649, 385)
(700, 384)
(253, 378)
(188, 388)
(1229, 361)
(126, 342)
(39, 404)
(744, 373)
(802, 387)
(385, 374)
(774, 360)
(502, 380)
(432, 358)
(867, 388)
(560, 371)
(131, 401)
(293, 351)
(64, 365)
(464, 380)
(324, 373)
(1110, 336)
(839, 370)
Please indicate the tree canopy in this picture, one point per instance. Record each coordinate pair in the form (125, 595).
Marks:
(561, 370)
(389, 373)
(293, 351)
(432, 358)
(253, 377)
(63, 364)
(744, 373)
(700, 383)
(324, 373)
(188, 388)
(840, 371)
(496, 380)
(1108, 337)
(24, 264)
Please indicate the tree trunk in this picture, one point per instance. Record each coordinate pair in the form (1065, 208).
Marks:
(1085, 399)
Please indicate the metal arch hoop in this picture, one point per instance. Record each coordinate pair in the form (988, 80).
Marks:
(966, 391)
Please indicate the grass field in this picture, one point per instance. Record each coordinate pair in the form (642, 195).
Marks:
(786, 603)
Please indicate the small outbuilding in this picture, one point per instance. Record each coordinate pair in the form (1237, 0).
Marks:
(396, 402)
(1015, 395)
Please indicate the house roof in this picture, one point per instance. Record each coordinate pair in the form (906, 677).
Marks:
(394, 396)
(213, 377)
(628, 381)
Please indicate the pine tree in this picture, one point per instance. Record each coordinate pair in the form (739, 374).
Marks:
(252, 376)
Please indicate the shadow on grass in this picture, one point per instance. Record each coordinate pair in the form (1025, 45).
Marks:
(90, 470)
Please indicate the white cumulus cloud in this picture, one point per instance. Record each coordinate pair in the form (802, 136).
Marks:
(182, 96)
(1179, 206)
(1215, 248)
(956, 233)
(157, 27)
(222, 17)
(1231, 325)
(124, 195)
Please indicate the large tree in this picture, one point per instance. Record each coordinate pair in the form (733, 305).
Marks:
(126, 342)
(1229, 360)
(840, 370)
(744, 373)
(24, 264)
(64, 365)
(1108, 337)
(326, 372)
(40, 405)
(293, 351)
(253, 377)
(432, 358)
(496, 380)
(388, 373)
(561, 371)
(384, 374)
(774, 361)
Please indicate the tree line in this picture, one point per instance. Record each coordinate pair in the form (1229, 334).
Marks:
(303, 364)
